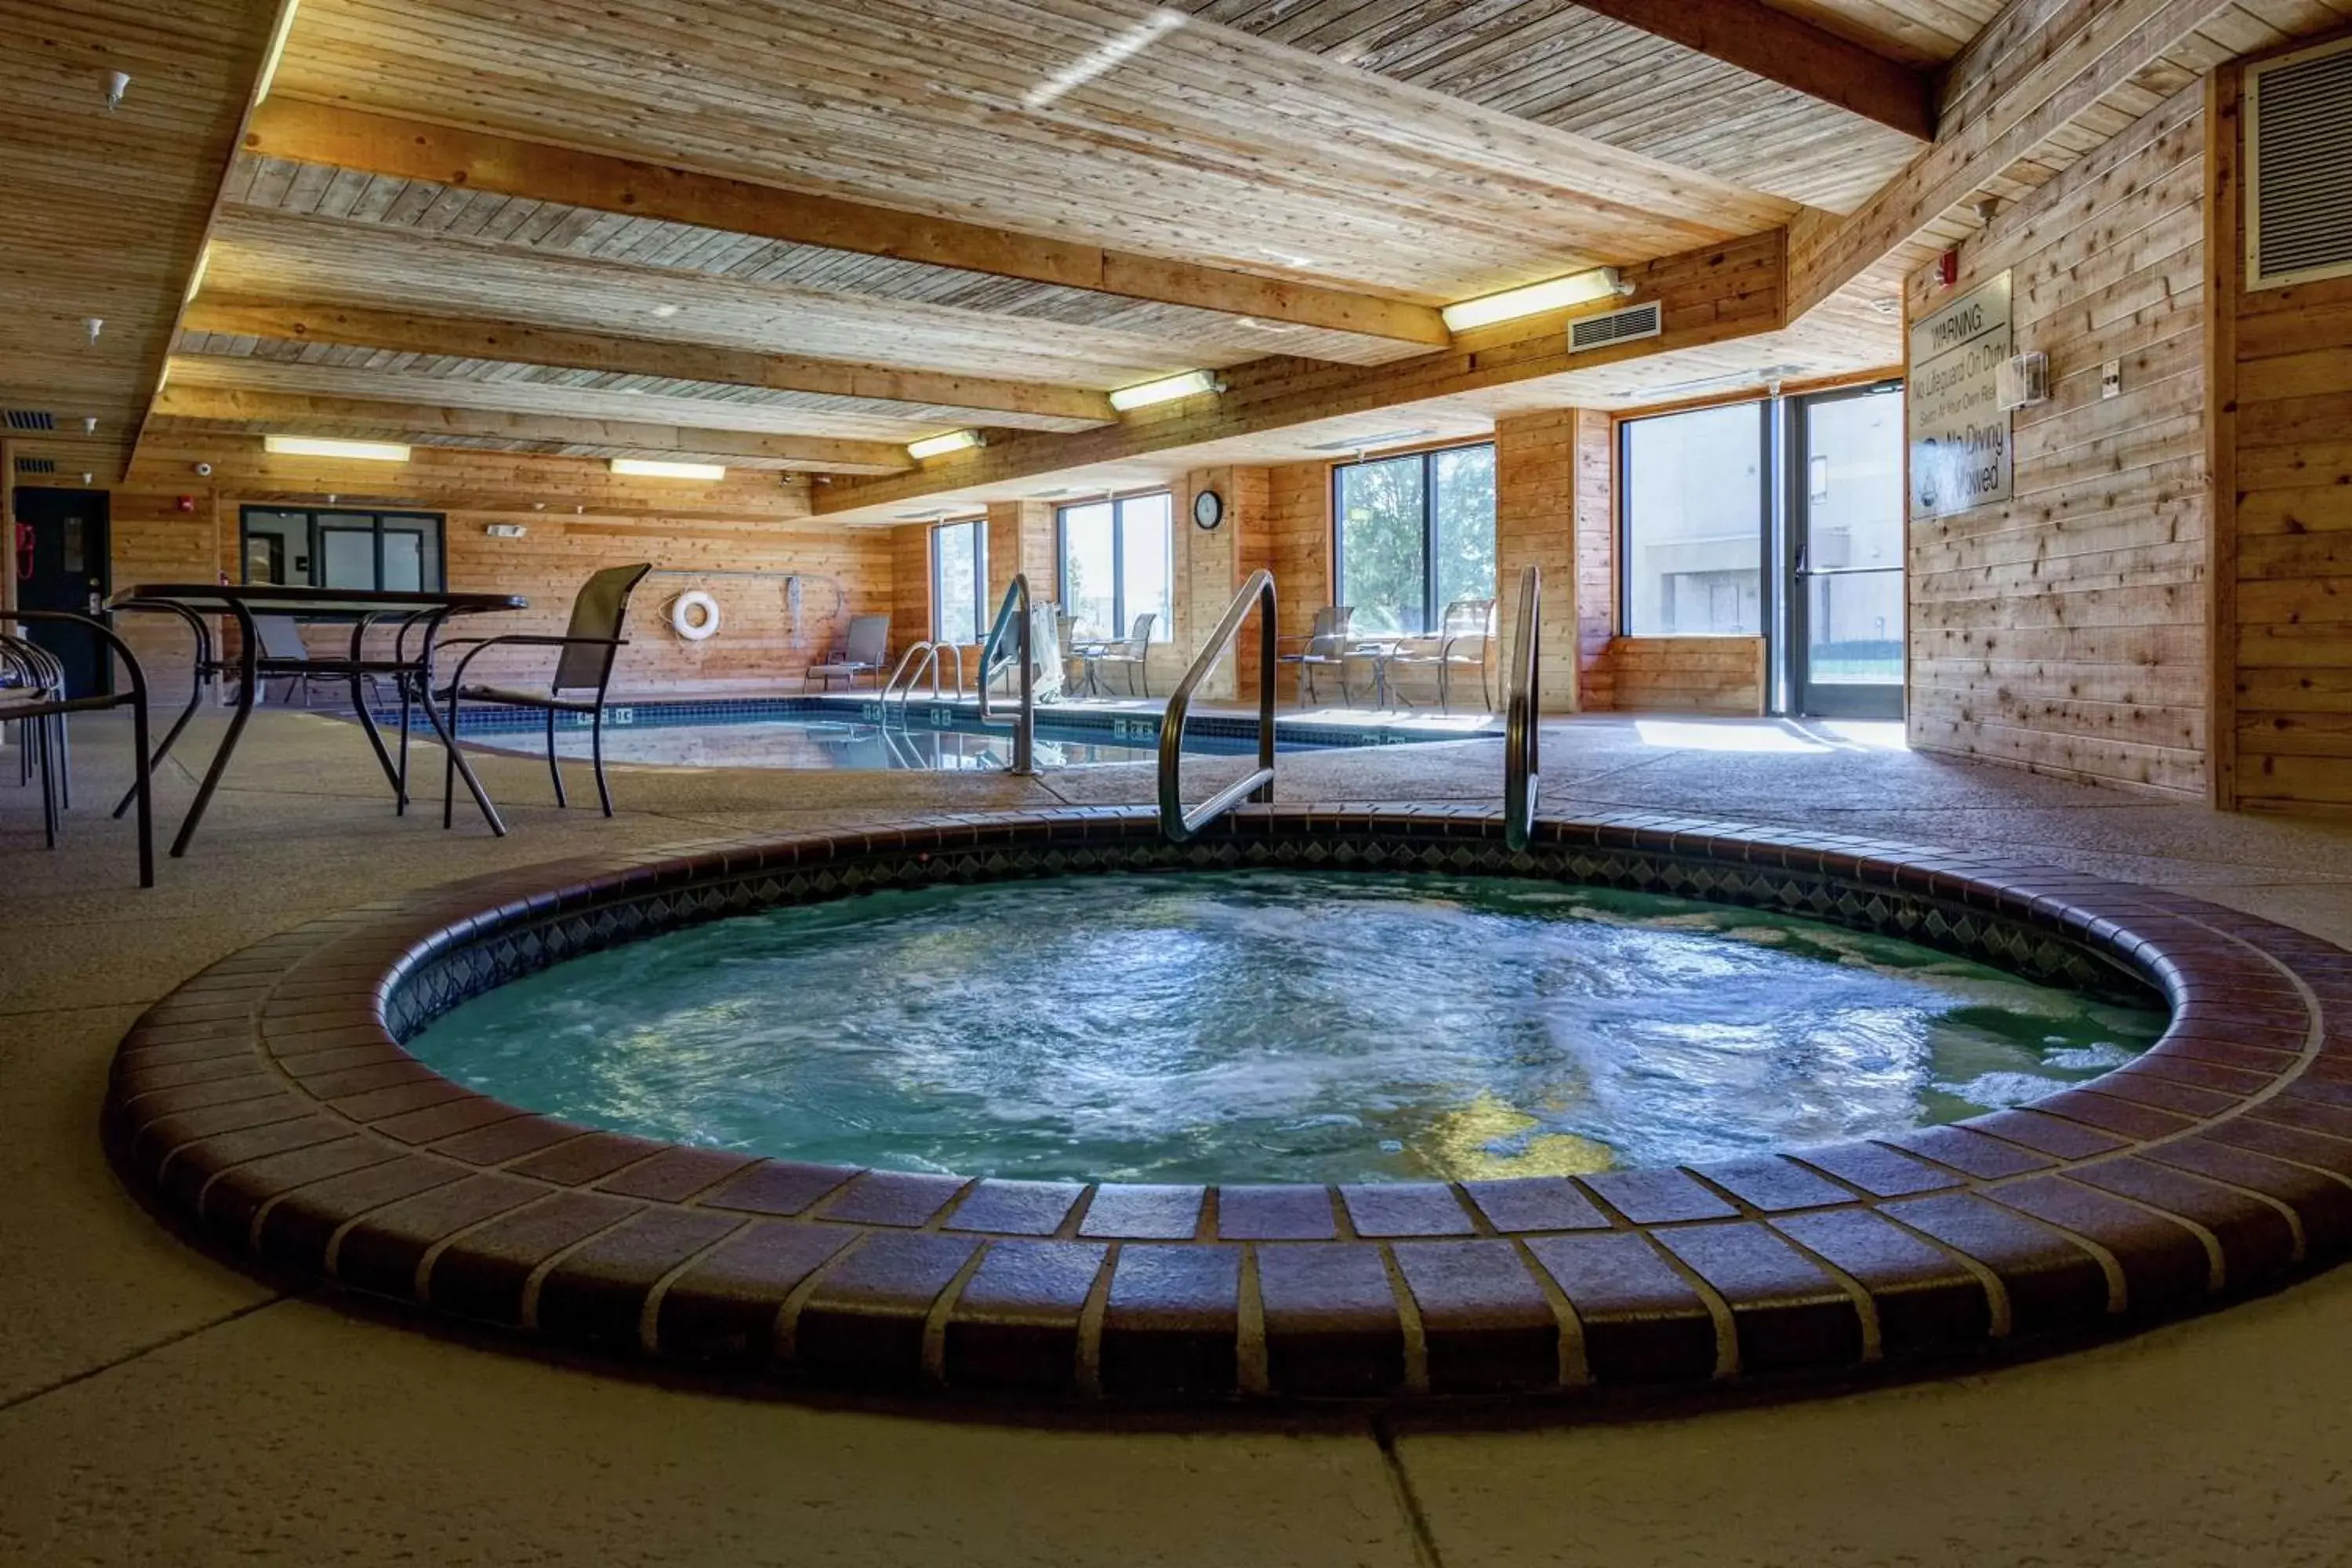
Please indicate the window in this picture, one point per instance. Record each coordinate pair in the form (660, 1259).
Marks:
(960, 581)
(1119, 563)
(1695, 510)
(398, 552)
(1415, 534)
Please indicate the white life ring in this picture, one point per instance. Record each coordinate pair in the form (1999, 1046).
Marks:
(684, 611)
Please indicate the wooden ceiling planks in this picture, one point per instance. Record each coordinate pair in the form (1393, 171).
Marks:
(1565, 65)
(104, 211)
(1203, 144)
(422, 381)
(376, 418)
(317, 332)
(521, 227)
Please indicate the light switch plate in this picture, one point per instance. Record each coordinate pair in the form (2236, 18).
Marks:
(2111, 379)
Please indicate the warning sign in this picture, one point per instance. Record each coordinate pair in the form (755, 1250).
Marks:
(1958, 432)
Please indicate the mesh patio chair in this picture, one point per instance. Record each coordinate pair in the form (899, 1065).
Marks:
(590, 644)
(283, 654)
(862, 650)
(1325, 647)
(33, 696)
(1133, 651)
(1462, 638)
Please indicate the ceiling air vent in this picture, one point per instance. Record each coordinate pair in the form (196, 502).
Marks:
(2299, 167)
(30, 419)
(1616, 327)
(37, 465)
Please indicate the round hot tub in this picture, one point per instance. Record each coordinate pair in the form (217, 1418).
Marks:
(1328, 1103)
(1277, 1026)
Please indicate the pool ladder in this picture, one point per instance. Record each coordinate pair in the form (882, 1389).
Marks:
(1176, 824)
(911, 671)
(1521, 755)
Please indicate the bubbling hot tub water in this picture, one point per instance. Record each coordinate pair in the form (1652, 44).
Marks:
(1237, 1026)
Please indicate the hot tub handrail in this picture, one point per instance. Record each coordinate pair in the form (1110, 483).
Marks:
(1178, 824)
(1013, 614)
(1521, 758)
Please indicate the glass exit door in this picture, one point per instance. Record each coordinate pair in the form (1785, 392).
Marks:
(1845, 546)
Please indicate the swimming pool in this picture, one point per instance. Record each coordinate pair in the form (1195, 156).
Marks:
(1323, 1026)
(845, 732)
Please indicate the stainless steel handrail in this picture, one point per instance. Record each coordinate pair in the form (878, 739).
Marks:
(1521, 754)
(1013, 614)
(1178, 824)
(930, 652)
(905, 660)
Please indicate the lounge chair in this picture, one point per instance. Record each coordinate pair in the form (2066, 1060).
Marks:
(33, 696)
(1463, 636)
(590, 644)
(862, 651)
(1325, 647)
(1133, 651)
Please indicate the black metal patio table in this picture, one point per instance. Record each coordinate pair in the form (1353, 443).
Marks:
(418, 612)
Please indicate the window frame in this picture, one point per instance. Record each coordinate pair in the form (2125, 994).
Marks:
(313, 538)
(1122, 616)
(1768, 481)
(978, 525)
(1432, 612)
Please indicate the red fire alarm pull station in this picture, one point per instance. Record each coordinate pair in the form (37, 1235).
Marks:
(187, 503)
(1947, 269)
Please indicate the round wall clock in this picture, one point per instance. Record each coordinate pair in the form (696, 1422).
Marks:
(1208, 508)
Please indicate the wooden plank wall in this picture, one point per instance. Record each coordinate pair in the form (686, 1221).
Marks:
(2065, 632)
(579, 518)
(2282, 457)
(910, 585)
(1537, 492)
(1687, 675)
(1596, 559)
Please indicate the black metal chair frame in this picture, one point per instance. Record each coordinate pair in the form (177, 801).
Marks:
(43, 718)
(552, 704)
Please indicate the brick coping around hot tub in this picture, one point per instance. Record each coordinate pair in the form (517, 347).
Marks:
(268, 1104)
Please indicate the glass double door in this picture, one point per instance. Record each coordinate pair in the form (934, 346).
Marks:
(1843, 555)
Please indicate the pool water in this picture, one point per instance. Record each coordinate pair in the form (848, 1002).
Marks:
(1273, 1027)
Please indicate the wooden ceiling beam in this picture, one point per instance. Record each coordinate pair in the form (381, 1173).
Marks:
(2049, 64)
(292, 414)
(403, 331)
(1773, 43)
(1717, 295)
(483, 161)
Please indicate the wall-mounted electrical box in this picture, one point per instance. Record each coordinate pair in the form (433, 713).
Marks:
(2022, 381)
(505, 531)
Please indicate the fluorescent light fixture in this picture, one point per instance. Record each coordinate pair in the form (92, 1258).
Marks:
(1367, 443)
(277, 49)
(1558, 294)
(1168, 389)
(940, 446)
(654, 469)
(324, 446)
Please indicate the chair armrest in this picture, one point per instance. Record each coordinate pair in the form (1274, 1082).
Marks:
(524, 639)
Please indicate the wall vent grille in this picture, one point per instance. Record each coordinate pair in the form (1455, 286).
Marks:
(37, 465)
(1635, 322)
(2299, 167)
(31, 419)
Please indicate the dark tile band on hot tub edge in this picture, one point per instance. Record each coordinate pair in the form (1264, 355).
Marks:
(268, 1104)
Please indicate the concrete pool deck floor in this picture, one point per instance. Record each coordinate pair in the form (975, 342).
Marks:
(156, 1405)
